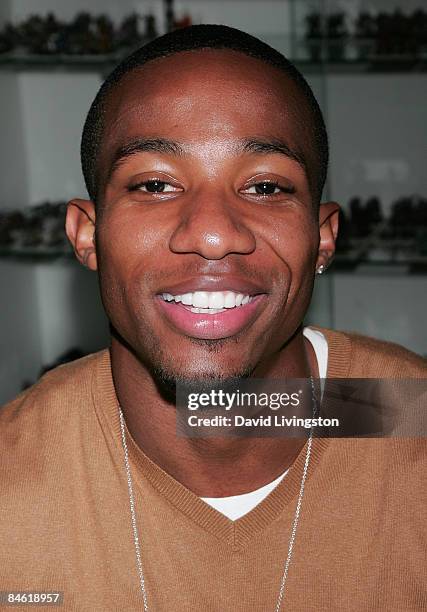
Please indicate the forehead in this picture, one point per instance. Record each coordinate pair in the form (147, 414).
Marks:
(207, 95)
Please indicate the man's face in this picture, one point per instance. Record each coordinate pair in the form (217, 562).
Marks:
(206, 234)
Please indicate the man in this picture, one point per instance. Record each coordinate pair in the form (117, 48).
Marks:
(205, 156)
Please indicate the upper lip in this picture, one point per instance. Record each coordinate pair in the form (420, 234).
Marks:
(214, 283)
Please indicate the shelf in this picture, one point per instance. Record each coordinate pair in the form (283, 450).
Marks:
(373, 66)
(105, 63)
(36, 254)
(341, 264)
(59, 63)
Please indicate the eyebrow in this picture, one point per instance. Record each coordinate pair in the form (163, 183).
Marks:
(143, 145)
(265, 146)
(262, 146)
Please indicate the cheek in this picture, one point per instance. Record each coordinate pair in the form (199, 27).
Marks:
(130, 231)
(129, 241)
(294, 240)
(127, 252)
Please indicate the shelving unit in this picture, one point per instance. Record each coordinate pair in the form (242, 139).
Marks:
(105, 63)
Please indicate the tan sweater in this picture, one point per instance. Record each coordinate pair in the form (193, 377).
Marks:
(65, 520)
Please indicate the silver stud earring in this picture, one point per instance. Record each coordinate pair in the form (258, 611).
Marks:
(320, 269)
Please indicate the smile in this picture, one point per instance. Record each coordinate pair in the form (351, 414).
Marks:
(209, 302)
(210, 315)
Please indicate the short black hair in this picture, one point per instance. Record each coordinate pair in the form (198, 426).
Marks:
(190, 39)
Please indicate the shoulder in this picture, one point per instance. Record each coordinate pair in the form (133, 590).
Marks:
(45, 422)
(54, 393)
(353, 355)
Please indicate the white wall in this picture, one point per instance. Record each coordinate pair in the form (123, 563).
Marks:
(14, 184)
(390, 306)
(54, 107)
(45, 310)
(20, 337)
(378, 135)
(69, 308)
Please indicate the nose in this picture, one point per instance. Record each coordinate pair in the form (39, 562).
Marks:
(212, 227)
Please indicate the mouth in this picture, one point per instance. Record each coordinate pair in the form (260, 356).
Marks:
(210, 315)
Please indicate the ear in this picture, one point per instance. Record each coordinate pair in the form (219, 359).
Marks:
(328, 229)
(80, 229)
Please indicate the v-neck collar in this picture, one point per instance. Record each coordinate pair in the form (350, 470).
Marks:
(236, 533)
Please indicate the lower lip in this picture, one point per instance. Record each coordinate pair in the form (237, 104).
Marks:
(211, 326)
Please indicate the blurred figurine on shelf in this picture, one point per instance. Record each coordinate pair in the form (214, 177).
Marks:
(87, 35)
(79, 35)
(53, 28)
(183, 22)
(337, 34)
(395, 39)
(365, 35)
(104, 35)
(419, 31)
(405, 42)
(9, 222)
(135, 31)
(420, 219)
(402, 218)
(343, 239)
(40, 227)
(356, 216)
(374, 215)
(8, 38)
(314, 35)
(129, 34)
(170, 15)
(150, 27)
(84, 35)
(364, 217)
(39, 35)
(420, 211)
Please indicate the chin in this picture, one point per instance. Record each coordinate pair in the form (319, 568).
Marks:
(196, 376)
(200, 362)
(200, 376)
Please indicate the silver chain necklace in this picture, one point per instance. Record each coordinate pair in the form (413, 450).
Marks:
(294, 525)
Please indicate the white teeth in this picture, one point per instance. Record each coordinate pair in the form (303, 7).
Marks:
(207, 310)
(230, 300)
(209, 301)
(187, 299)
(201, 299)
(216, 300)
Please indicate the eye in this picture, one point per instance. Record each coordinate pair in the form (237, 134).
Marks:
(154, 186)
(267, 188)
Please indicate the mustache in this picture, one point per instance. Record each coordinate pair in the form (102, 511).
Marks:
(216, 268)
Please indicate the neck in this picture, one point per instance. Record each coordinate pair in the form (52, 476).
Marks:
(210, 467)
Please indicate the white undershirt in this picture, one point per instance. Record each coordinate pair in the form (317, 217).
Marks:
(237, 506)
